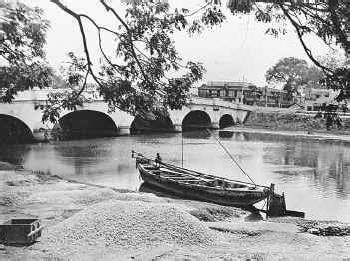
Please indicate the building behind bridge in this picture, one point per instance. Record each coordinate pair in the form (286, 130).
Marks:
(247, 93)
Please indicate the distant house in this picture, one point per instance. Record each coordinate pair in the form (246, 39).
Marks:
(246, 93)
(238, 92)
(272, 97)
(315, 98)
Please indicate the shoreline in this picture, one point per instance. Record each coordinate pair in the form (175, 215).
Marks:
(228, 232)
(314, 135)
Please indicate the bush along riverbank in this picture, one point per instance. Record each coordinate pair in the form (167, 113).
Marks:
(87, 222)
(291, 121)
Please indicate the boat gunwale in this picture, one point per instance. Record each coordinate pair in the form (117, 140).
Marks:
(167, 165)
(215, 177)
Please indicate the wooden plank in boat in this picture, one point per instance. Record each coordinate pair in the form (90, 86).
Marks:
(205, 178)
(179, 178)
(181, 172)
(182, 177)
(185, 174)
(176, 176)
(198, 179)
(187, 181)
(166, 173)
(195, 173)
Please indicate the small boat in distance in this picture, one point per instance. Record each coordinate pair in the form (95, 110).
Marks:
(195, 185)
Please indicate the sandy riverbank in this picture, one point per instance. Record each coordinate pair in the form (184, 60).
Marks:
(86, 222)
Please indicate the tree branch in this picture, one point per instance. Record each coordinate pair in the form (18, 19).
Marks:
(109, 8)
(199, 9)
(99, 28)
(300, 36)
(82, 32)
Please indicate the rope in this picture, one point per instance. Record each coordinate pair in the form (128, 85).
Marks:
(232, 158)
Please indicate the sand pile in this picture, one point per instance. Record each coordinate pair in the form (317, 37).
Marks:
(121, 224)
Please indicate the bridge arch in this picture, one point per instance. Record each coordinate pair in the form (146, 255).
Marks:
(151, 124)
(14, 130)
(84, 124)
(225, 121)
(196, 119)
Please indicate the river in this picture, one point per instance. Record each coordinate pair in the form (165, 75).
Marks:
(313, 174)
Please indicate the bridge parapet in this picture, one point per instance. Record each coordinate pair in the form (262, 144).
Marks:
(41, 94)
(217, 102)
(93, 95)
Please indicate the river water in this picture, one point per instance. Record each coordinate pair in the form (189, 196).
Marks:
(313, 174)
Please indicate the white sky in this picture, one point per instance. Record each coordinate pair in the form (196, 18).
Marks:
(239, 48)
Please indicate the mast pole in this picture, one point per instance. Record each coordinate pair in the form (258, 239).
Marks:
(182, 150)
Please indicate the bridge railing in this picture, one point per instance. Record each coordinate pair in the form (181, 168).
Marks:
(40, 95)
(37, 94)
(217, 102)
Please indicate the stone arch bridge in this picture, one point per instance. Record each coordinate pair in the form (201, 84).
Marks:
(198, 113)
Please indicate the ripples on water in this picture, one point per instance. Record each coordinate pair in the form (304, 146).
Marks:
(313, 174)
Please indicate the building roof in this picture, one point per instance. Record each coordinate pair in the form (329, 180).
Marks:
(228, 85)
(271, 90)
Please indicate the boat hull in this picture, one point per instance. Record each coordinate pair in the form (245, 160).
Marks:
(227, 197)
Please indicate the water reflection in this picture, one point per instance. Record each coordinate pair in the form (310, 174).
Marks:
(313, 174)
(225, 134)
(327, 165)
(197, 134)
(14, 154)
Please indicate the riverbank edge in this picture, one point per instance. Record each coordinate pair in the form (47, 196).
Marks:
(314, 135)
(13, 253)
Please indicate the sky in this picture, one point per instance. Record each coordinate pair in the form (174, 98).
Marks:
(238, 49)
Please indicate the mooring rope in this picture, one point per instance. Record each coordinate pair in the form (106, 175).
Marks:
(232, 158)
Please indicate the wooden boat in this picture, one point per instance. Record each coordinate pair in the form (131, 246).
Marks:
(195, 185)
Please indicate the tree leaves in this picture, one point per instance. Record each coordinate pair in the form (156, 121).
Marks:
(59, 101)
(292, 73)
(22, 48)
(21, 77)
